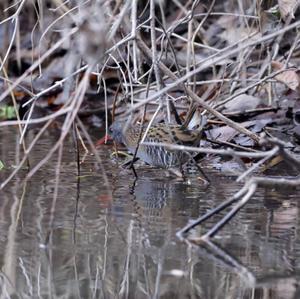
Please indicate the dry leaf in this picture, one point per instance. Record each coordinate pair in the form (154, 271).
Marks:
(236, 34)
(242, 102)
(287, 8)
(288, 77)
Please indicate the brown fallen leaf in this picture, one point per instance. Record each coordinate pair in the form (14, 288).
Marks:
(242, 103)
(289, 77)
(287, 8)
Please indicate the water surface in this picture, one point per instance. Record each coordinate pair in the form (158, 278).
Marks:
(105, 237)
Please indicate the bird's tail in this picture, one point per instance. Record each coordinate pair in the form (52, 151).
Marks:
(194, 119)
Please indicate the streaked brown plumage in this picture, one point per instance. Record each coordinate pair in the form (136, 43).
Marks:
(163, 133)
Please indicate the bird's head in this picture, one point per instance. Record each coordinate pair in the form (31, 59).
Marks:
(116, 131)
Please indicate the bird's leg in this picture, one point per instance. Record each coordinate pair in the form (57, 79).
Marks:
(129, 164)
(132, 187)
(206, 180)
(134, 172)
(181, 170)
(178, 173)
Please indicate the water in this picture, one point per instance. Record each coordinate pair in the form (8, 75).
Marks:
(118, 240)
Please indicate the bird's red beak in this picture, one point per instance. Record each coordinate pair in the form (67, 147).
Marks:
(103, 140)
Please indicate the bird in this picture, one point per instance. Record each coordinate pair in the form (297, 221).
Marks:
(158, 156)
